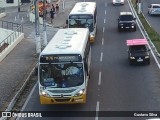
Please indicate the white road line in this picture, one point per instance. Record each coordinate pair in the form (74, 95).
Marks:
(101, 58)
(104, 20)
(103, 29)
(145, 38)
(105, 12)
(97, 110)
(102, 41)
(99, 78)
(105, 4)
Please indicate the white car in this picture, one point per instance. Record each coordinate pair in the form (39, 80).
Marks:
(154, 9)
(118, 2)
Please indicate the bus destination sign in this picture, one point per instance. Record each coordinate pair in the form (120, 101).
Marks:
(60, 58)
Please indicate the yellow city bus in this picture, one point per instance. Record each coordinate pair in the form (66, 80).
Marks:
(63, 67)
(84, 15)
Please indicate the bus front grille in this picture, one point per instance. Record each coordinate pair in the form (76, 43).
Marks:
(63, 100)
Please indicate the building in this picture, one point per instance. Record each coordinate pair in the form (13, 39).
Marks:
(11, 3)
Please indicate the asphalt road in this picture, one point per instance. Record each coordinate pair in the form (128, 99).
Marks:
(122, 87)
(153, 20)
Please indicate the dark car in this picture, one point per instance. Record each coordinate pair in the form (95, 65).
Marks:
(138, 51)
(126, 21)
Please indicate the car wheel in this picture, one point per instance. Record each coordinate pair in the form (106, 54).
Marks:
(148, 62)
(149, 13)
(135, 28)
(119, 30)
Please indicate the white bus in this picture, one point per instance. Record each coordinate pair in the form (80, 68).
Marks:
(84, 15)
(63, 68)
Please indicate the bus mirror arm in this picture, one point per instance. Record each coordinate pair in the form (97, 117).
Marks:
(66, 21)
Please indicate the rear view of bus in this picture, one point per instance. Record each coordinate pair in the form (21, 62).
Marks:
(84, 15)
(63, 69)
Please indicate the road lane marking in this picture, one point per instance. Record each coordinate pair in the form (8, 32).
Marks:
(103, 29)
(105, 4)
(132, 9)
(102, 41)
(97, 110)
(101, 58)
(99, 78)
(104, 20)
(105, 12)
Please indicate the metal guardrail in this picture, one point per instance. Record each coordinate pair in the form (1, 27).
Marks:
(17, 30)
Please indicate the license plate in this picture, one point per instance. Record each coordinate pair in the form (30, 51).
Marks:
(127, 27)
(139, 60)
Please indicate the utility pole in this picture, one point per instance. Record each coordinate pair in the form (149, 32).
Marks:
(139, 7)
(18, 6)
(38, 40)
(44, 24)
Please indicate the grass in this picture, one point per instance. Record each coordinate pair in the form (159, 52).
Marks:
(154, 36)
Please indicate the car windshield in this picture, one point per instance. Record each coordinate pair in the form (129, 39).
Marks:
(126, 18)
(138, 48)
(156, 6)
(81, 23)
(61, 75)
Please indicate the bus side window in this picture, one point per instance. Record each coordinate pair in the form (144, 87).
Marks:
(95, 15)
(86, 53)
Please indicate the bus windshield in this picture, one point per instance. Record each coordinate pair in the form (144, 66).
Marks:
(61, 75)
(81, 22)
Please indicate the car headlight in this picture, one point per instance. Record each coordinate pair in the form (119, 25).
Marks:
(146, 57)
(133, 24)
(44, 93)
(79, 93)
(132, 57)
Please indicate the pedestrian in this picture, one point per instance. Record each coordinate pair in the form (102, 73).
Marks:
(57, 8)
(53, 8)
(52, 15)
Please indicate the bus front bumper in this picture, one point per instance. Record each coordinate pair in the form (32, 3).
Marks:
(65, 100)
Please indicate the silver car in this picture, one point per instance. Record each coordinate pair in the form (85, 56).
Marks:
(154, 9)
(118, 2)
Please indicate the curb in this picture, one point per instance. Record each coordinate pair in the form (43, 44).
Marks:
(15, 98)
(143, 29)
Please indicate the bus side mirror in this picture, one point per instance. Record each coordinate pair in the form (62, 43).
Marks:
(36, 70)
(66, 21)
(86, 67)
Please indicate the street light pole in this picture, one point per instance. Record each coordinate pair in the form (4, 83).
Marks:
(38, 40)
(18, 6)
(44, 24)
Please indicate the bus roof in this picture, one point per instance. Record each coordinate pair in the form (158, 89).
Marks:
(137, 42)
(83, 8)
(67, 41)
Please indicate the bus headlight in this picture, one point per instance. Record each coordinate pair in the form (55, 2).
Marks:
(79, 93)
(44, 94)
(91, 36)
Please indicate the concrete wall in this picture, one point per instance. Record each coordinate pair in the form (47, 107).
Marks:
(4, 33)
(4, 53)
(4, 4)
(2, 15)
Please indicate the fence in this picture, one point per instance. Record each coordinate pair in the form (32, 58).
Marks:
(17, 31)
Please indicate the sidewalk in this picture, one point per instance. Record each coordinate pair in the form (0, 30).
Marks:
(15, 68)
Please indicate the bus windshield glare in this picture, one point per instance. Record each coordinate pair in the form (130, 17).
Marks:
(61, 75)
(81, 21)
